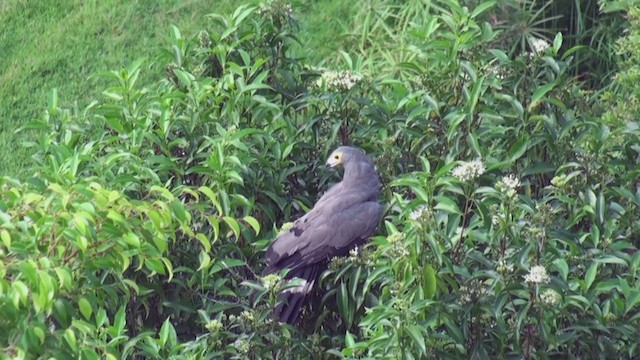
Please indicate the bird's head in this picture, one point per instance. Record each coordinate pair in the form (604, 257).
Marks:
(344, 155)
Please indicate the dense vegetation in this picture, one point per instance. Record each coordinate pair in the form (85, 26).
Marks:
(507, 142)
(70, 45)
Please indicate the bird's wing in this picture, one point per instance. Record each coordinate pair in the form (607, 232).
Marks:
(341, 222)
(318, 209)
(343, 229)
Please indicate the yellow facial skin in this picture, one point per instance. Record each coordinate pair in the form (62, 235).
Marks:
(334, 160)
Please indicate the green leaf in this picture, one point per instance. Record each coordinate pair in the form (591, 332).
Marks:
(215, 225)
(179, 211)
(573, 50)
(19, 293)
(600, 208)
(468, 67)
(590, 276)
(610, 259)
(233, 224)
(116, 125)
(165, 331)
(155, 265)
(85, 308)
(472, 139)
(482, 7)
(253, 223)
(420, 193)
(429, 282)
(417, 337)
(447, 205)
(64, 278)
(519, 148)
(39, 333)
(70, 337)
(5, 219)
(343, 303)
(205, 261)
(475, 96)
(53, 101)
(354, 281)
(89, 354)
(119, 323)
(539, 94)
(112, 95)
(6, 238)
(225, 264)
(541, 167)
(101, 317)
(563, 268)
(500, 55)
(204, 241)
(632, 299)
(163, 192)
(132, 239)
(557, 42)
(348, 339)
(184, 77)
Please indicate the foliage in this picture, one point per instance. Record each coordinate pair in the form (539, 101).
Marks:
(49, 44)
(511, 228)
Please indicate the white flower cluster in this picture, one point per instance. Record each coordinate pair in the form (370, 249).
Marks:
(247, 317)
(469, 170)
(537, 275)
(496, 71)
(357, 255)
(353, 254)
(204, 39)
(559, 181)
(241, 345)
(339, 80)
(539, 46)
(214, 326)
(473, 292)
(398, 249)
(504, 267)
(275, 7)
(508, 186)
(196, 226)
(270, 281)
(288, 10)
(549, 297)
(420, 213)
(510, 182)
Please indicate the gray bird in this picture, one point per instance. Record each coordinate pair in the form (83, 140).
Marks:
(344, 217)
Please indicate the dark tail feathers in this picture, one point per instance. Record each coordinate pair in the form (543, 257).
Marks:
(292, 300)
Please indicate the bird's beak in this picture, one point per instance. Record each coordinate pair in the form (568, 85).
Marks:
(331, 163)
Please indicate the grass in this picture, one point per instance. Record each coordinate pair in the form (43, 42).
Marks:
(50, 44)
(323, 25)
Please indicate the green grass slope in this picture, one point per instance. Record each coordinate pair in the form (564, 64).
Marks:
(49, 44)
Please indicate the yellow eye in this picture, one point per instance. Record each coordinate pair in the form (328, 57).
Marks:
(336, 157)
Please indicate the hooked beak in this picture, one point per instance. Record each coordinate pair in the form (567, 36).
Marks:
(331, 163)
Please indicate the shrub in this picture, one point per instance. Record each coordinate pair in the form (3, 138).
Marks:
(510, 230)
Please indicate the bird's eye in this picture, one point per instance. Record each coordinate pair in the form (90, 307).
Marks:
(336, 157)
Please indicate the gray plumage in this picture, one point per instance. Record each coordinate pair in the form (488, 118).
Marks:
(345, 216)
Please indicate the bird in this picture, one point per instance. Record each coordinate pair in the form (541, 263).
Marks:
(343, 218)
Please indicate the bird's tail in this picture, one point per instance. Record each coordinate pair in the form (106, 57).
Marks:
(292, 300)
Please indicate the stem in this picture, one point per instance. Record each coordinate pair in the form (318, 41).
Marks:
(458, 247)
